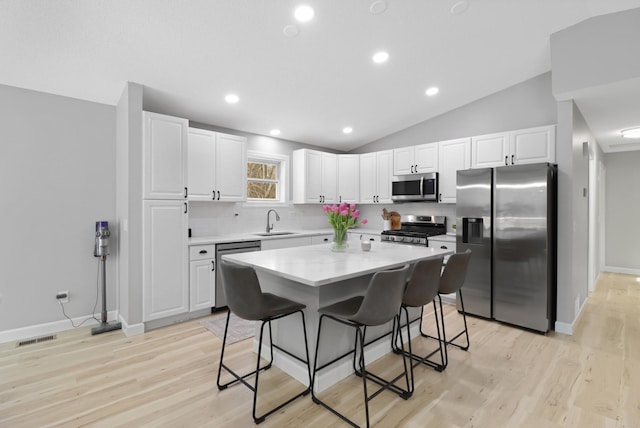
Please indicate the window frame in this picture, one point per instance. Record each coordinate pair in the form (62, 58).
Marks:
(282, 193)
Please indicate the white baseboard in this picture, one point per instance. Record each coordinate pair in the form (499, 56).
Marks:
(131, 330)
(50, 328)
(616, 269)
(566, 328)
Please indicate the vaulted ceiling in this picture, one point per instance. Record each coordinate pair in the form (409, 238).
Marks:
(307, 79)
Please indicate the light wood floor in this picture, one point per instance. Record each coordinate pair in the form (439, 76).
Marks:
(509, 378)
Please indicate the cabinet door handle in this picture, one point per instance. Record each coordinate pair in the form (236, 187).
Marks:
(185, 207)
(506, 160)
(371, 239)
(440, 197)
(214, 195)
(203, 251)
(340, 198)
(185, 193)
(416, 168)
(411, 169)
(326, 239)
(213, 265)
(218, 195)
(513, 160)
(444, 247)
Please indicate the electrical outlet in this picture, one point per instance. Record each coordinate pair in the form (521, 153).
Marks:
(62, 296)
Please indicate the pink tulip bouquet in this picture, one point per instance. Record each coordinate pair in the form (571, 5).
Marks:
(342, 218)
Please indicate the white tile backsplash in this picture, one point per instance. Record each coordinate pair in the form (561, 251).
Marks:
(213, 219)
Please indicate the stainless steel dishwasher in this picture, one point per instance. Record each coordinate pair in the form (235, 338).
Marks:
(229, 248)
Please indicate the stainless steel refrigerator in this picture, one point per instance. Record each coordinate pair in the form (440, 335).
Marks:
(507, 217)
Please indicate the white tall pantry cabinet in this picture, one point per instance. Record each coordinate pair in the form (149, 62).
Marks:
(165, 283)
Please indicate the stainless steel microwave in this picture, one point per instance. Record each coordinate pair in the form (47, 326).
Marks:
(422, 187)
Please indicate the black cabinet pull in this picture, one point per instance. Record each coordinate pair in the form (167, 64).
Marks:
(411, 169)
(203, 251)
(416, 165)
(326, 239)
(185, 192)
(440, 197)
(513, 160)
(443, 247)
(371, 239)
(185, 207)
(213, 193)
(340, 198)
(506, 160)
(218, 195)
(213, 265)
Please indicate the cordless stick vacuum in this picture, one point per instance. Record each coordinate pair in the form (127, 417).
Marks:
(101, 249)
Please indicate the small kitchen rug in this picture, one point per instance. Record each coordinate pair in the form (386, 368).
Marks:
(239, 329)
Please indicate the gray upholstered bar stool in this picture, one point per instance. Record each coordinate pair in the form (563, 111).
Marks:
(422, 288)
(451, 281)
(246, 300)
(379, 305)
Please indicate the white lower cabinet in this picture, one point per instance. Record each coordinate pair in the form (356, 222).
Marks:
(165, 286)
(202, 277)
(363, 236)
(298, 241)
(322, 239)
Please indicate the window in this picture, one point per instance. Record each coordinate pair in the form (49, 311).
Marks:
(266, 178)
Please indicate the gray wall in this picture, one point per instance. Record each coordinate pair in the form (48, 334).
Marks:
(524, 105)
(595, 52)
(573, 172)
(622, 210)
(57, 170)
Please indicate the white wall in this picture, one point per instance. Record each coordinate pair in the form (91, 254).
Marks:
(622, 211)
(57, 178)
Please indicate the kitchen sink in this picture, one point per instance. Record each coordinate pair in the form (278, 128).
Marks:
(273, 233)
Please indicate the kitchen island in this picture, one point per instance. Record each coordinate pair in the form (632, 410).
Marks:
(316, 276)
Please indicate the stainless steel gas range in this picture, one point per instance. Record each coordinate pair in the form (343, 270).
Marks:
(416, 229)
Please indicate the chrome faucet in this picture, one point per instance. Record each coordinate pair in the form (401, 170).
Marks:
(270, 228)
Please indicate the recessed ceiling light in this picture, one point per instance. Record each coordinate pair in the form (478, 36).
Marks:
(631, 133)
(347, 130)
(304, 13)
(380, 57)
(432, 91)
(274, 132)
(232, 98)
(460, 7)
(378, 6)
(291, 30)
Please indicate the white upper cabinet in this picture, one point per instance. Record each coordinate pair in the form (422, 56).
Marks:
(533, 145)
(165, 156)
(217, 166)
(489, 150)
(514, 147)
(454, 155)
(349, 178)
(415, 159)
(315, 177)
(376, 172)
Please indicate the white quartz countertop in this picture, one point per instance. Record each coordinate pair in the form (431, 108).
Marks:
(443, 238)
(317, 265)
(253, 236)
